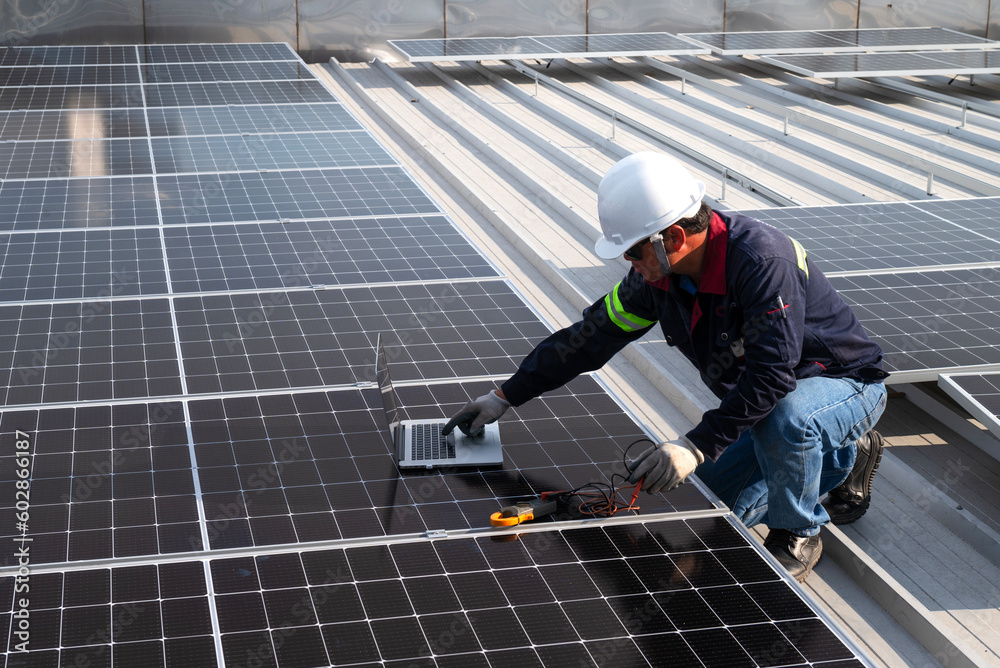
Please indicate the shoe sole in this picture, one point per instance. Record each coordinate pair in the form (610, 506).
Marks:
(805, 574)
(862, 506)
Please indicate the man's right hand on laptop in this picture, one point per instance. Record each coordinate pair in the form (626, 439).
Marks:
(476, 414)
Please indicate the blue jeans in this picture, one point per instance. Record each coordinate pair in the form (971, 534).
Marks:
(779, 469)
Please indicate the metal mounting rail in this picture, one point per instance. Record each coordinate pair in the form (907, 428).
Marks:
(932, 169)
(963, 104)
(728, 173)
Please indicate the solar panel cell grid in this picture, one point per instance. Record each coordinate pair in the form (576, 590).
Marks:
(237, 92)
(866, 237)
(67, 55)
(74, 203)
(275, 151)
(224, 198)
(81, 264)
(72, 124)
(367, 604)
(69, 76)
(136, 607)
(216, 53)
(241, 71)
(106, 482)
(889, 63)
(364, 250)
(250, 119)
(799, 41)
(81, 158)
(302, 339)
(70, 97)
(929, 320)
(272, 469)
(88, 351)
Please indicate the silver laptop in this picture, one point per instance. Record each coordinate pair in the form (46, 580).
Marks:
(419, 443)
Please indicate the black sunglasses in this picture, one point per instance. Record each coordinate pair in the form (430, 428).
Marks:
(635, 252)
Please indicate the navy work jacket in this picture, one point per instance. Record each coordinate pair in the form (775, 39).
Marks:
(763, 316)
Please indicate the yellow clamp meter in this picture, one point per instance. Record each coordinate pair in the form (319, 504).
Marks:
(524, 511)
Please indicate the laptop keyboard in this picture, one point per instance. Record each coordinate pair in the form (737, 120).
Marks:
(428, 443)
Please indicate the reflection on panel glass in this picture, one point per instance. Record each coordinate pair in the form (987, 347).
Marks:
(67, 203)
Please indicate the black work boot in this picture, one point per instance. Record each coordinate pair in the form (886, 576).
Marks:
(850, 500)
(796, 554)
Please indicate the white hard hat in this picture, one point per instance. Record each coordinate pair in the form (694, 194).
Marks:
(641, 195)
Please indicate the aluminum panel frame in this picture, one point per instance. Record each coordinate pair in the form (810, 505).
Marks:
(513, 18)
(30, 22)
(969, 16)
(610, 16)
(358, 30)
(744, 15)
(192, 21)
(952, 388)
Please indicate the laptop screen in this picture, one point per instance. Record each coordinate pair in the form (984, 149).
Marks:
(389, 402)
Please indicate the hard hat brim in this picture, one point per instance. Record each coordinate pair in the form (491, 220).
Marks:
(607, 249)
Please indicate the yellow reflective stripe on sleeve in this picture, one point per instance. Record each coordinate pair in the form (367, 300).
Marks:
(628, 322)
(800, 256)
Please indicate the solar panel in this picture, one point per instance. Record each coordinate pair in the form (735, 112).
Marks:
(71, 124)
(84, 157)
(216, 53)
(978, 393)
(87, 75)
(929, 322)
(81, 264)
(888, 64)
(73, 203)
(975, 214)
(241, 71)
(318, 466)
(312, 338)
(293, 194)
(546, 46)
(613, 596)
(271, 256)
(86, 351)
(223, 153)
(326, 116)
(156, 615)
(619, 44)
(70, 97)
(469, 48)
(866, 238)
(107, 482)
(833, 41)
(234, 92)
(67, 55)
